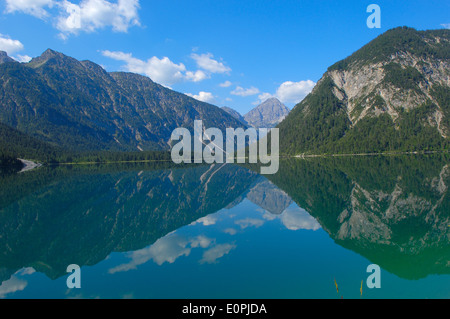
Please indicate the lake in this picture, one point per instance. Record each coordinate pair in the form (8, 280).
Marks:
(162, 231)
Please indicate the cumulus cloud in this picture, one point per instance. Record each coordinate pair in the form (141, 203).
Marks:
(207, 220)
(90, 15)
(294, 92)
(230, 231)
(197, 76)
(293, 218)
(249, 222)
(11, 286)
(297, 218)
(203, 97)
(166, 250)
(9, 45)
(225, 84)
(240, 91)
(262, 98)
(26, 271)
(87, 15)
(23, 58)
(162, 71)
(446, 25)
(213, 254)
(207, 63)
(288, 92)
(37, 8)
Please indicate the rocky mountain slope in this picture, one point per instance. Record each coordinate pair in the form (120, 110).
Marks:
(4, 58)
(235, 114)
(268, 114)
(393, 94)
(77, 105)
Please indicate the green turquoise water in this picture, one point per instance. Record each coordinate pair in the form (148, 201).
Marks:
(223, 231)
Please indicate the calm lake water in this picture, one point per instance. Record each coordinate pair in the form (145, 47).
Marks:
(223, 231)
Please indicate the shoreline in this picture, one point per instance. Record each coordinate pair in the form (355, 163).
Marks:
(30, 165)
(369, 154)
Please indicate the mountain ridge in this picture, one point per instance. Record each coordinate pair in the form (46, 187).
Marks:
(391, 95)
(77, 105)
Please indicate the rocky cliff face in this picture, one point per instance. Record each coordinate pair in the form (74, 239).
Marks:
(368, 91)
(393, 94)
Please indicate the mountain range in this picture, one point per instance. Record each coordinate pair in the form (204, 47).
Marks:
(77, 105)
(391, 95)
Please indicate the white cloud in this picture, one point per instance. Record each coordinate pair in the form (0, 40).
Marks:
(197, 76)
(213, 254)
(250, 222)
(87, 15)
(262, 98)
(207, 63)
(90, 15)
(225, 84)
(207, 220)
(230, 231)
(446, 25)
(9, 45)
(23, 58)
(240, 91)
(297, 218)
(288, 92)
(162, 71)
(11, 286)
(293, 218)
(166, 250)
(294, 92)
(33, 7)
(203, 96)
(26, 271)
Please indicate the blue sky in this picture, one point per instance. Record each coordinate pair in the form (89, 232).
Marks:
(226, 52)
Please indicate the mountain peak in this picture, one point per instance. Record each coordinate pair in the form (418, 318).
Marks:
(272, 100)
(268, 114)
(49, 55)
(390, 95)
(52, 53)
(4, 58)
(422, 44)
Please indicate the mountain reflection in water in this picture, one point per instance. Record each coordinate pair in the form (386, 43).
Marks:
(393, 211)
